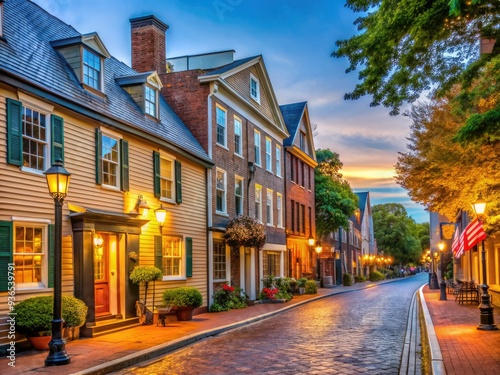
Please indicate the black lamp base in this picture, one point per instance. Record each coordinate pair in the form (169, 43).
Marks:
(57, 355)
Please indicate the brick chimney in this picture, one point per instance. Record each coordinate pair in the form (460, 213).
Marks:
(486, 46)
(148, 44)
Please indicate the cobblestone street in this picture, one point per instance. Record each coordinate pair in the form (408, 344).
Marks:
(352, 333)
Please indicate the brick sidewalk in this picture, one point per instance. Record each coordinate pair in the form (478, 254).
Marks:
(465, 349)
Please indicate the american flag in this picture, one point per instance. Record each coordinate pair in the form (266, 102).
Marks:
(458, 244)
(472, 234)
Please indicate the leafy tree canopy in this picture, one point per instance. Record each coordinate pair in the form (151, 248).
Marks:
(397, 234)
(406, 47)
(335, 200)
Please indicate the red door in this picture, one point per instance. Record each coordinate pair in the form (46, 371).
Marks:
(101, 278)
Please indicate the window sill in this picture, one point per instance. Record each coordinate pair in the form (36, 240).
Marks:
(174, 278)
(35, 172)
(222, 146)
(240, 156)
(221, 213)
(110, 188)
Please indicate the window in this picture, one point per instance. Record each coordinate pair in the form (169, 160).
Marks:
(220, 260)
(269, 163)
(30, 255)
(293, 215)
(91, 69)
(303, 218)
(254, 88)
(279, 209)
(172, 256)
(220, 183)
(272, 263)
(302, 173)
(237, 137)
(302, 141)
(278, 161)
(258, 203)
(238, 196)
(221, 125)
(35, 136)
(150, 101)
(257, 147)
(269, 207)
(112, 161)
(167, 179)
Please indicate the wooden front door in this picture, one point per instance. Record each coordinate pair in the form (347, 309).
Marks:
(101, 274)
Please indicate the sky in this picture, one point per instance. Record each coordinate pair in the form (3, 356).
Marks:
(296, 40)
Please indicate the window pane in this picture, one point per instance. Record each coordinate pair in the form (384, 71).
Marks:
(172, 256)
(110, 161)
(34, 139)
(91, 69)
(167, 178)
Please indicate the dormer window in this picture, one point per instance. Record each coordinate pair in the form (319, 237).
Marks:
(150, 100)
(144, 89)
(254, 88)
(91, 69)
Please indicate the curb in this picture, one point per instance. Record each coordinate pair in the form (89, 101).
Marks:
(437, 364)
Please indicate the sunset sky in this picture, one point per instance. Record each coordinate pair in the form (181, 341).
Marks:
(296, 39)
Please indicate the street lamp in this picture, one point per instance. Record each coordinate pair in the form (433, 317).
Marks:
(486, 317)
(318, 250)
(442, 284)
(58, 183)
(434, 282)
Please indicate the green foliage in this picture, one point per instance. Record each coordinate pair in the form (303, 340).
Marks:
(346, 279)
(144, 274)
(311, 287)
(335, 200)
(359, 279)
(376, 276)
(35, 314)
(182, 297)
(301, 283)
(228, 297)
(245, 231)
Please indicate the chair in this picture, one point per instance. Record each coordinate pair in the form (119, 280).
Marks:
(466, 292)
(145, 315)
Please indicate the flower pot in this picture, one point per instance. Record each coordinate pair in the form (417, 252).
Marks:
(184, 313)
(39, 342)
(302, 291)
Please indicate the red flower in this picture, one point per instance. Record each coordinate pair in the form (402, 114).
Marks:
(270, 292)
(228, 288)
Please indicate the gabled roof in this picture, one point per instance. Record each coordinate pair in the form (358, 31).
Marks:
(139, 79)
(292, 114)
(28, 60)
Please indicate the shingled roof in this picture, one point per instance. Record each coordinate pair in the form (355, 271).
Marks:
(28, 60)
(292, 114)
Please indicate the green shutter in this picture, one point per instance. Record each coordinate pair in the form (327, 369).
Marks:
(158, 252)
(124, 175)
(51, 242)
(189, 257)
(57, 139)
(14, 132)
(5, 253)
(156, 167)
(178, 182)
(98, 157)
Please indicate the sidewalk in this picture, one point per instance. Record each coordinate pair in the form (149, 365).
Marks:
(465, 350)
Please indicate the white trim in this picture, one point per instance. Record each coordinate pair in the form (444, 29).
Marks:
(274, 247)
(218, 106)
(35, 103)
(257, 87)
(269, 142)
(255, 132)
(224, 202)
(28, 220)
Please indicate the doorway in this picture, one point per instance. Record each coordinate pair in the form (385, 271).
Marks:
(105, 274)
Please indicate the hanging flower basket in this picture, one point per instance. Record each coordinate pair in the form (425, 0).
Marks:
(245, 231)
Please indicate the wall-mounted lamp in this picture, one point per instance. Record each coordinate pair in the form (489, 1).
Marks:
(142, 207)
(311, 240)
(251, 169)
(161, 214)
(98, 241)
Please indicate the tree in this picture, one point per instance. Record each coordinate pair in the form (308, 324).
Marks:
(407, 47)
(396, 233)
(335, 200)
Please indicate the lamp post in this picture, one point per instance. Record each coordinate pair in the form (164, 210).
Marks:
(434, 282)
(318, 249)
(486, 318)
(58, 183)
(442, 284)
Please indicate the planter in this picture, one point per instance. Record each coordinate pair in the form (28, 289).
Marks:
(302, 291)
(184, 313)
(39, 342)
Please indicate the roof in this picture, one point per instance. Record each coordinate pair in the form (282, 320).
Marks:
(292, 114)
(229, 67)
(363, 197)
(27, 55)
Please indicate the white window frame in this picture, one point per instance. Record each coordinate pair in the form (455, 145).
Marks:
(238, 132)
(258, 203)
(269, 208)
(256, 138)
(92, 68)
(278, 160)
(223, 191)
(222, 126)
(224, 268)
(153, 105)
(302, 140)
(45, 142)
(182, 258)
(116, 138)
(43, 224)
(269, 156)
(240, 180)
(279, 209)
(164, 178)
(255, 96)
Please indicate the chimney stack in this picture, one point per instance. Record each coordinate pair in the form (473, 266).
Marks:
(148, 44)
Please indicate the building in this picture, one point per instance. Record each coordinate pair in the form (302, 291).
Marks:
(63, 96)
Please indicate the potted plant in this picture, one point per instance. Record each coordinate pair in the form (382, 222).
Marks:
(301, 284)
(34, 317)
(143, 275)
(185, 299)
(74, 313)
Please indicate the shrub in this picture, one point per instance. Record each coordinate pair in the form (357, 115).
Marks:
(359, 279)
(182, 297)
(285, 284)
(376, 276)
(311, 287)
(34, 315)
(346, 279)
(145, 274)
(268, 281)
(228, 298)
(301, 283)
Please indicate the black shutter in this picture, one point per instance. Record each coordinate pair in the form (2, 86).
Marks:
(51, 243)
(5, 253)
(189, 257)
(158, 252)
(157, 173)
(98, 157)
(178, 182)
(57, 139)
(124, 175)
(14, 132)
